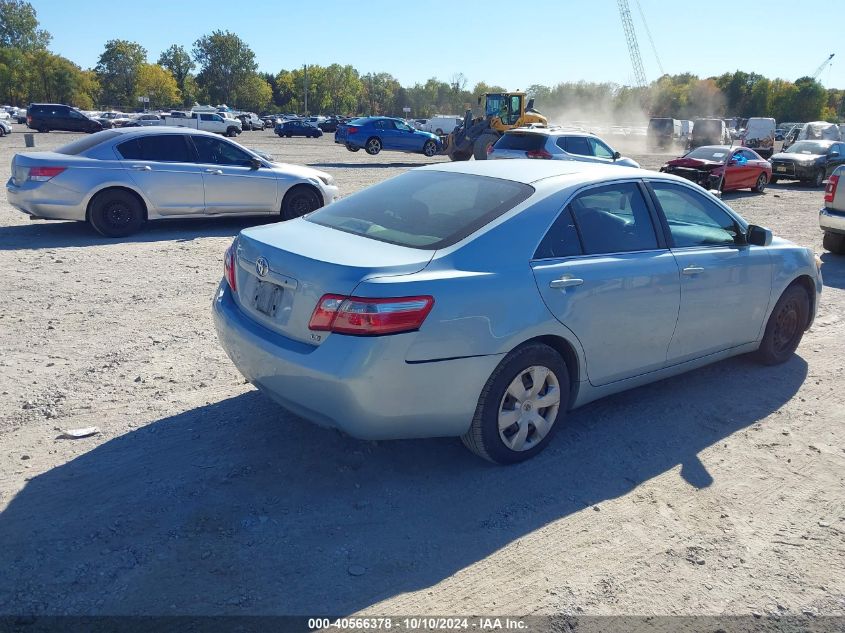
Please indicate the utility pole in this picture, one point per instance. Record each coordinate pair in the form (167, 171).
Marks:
(305, 70)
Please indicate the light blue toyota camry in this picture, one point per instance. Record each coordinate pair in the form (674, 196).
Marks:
(484, 300)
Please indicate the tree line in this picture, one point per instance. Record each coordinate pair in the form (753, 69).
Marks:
(221, 68)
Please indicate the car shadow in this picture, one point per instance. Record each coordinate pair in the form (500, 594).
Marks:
(369, 165)
(58, 234)
(833, 270)
(237, 507)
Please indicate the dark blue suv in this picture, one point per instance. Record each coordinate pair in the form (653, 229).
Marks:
(295, 127)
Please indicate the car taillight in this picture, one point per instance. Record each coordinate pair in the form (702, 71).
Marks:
(351, 130)
(538, 153)
(370, 317)
(229, 267)
(43, 174)
(830, 190)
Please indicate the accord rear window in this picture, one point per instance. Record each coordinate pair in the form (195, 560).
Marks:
(522, 142)
(423, 209)
(87, 142)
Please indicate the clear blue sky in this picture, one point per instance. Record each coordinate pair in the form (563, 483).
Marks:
(539, 41)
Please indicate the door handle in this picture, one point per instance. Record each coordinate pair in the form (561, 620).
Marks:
(142, 168)
(693, 270)
(566, 282)
(216, 172)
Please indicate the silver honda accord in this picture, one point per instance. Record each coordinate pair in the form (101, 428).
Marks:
(117, 179)
(486, 299)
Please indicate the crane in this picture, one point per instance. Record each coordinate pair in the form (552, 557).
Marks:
(824, 65)
(650, 38)
(633, 47)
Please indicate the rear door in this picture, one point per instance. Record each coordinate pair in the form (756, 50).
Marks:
(726, 284)
(579, 147)
(232, 185)
(606, 274)
(163, 167)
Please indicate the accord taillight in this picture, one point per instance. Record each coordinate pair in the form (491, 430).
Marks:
(351, 130)
(370, 317)
(538, 153)
(830, 190)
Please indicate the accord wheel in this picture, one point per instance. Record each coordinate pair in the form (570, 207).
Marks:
(300, 200)
(785, 327)
(522, 403)
(373, 146)
(116, 213)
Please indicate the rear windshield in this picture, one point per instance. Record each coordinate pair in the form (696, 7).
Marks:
(707, 127)
(87, 142)
(524, 142)
(716, 154)
(662, 125)
(423, 209)
(808, 147)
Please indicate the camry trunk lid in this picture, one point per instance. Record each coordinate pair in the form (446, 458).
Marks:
(284, 269)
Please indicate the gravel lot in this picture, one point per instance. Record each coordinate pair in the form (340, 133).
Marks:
(720, 491)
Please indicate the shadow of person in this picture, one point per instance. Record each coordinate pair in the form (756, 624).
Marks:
(237, 507)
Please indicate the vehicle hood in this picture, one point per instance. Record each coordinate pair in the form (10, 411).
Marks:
(299, 171)
(694, 163)
(796, 158)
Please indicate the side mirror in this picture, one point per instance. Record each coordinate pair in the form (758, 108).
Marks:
(254, 163)
(834, 155)
(758, 235)
(616, 155)
(732, 161)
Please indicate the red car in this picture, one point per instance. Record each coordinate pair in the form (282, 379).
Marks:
(746, 169)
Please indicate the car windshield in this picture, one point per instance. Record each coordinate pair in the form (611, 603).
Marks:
(661, 125)
(87, 142)
(423, 209)
(808, 147)
(716, 154)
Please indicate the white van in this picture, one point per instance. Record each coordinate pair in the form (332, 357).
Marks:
(760, 136)
(442, 124)
(819, 131)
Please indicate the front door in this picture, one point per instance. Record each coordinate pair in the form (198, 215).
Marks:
(726, 284)
(603, 274)
(232, 184)
(163, 167)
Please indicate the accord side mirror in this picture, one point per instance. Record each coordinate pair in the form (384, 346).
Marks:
(616, 155)
(255, 163)
(758, 235)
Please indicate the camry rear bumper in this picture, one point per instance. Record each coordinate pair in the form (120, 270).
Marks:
(360, 385)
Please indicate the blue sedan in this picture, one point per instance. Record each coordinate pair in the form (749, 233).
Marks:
(484, 300)
(376, 133)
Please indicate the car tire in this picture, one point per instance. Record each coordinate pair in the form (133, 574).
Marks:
(479, 150)
(818, 178)
(43, 129)
(352, 148)
(834, 242)
(461, 156)
(532, 426)
(430, 148)
(439, 132)
(785, 326)
(760, 187)
(373, 146)
(300, 200)
(287, 135)
(116, 213)
(773, 180)
(231, 132)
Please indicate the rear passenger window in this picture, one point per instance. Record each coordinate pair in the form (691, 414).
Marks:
(614, 219)
(562, 239)
(578, 145)
(168, 148)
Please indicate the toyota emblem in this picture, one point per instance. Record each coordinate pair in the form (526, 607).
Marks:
(261, 266)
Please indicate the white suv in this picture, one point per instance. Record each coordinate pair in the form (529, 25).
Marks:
(556, 144)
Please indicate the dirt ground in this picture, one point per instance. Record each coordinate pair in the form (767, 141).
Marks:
(717, 492)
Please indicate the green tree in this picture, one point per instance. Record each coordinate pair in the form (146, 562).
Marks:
(157, 83)
(178, 61)
(117, 71)
(254, 94)
(19, 26)
(225, 62)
